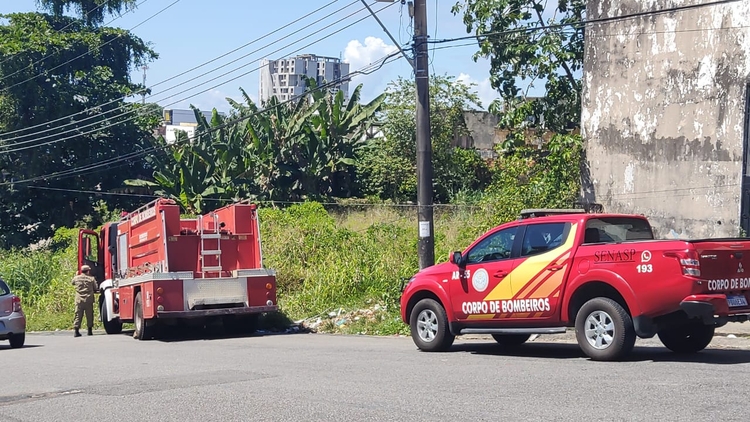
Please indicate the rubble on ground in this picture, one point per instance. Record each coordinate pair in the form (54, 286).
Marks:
(342, 320)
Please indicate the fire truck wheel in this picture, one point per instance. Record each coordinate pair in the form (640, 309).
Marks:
(110, 327)
(143, 329)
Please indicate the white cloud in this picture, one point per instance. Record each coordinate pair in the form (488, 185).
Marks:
(483, 89)
(374, 49)
(359, 55)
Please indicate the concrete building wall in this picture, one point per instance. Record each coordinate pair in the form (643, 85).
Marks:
(663, 113)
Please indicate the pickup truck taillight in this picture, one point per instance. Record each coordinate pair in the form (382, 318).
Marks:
(688, 262)
(16, 304)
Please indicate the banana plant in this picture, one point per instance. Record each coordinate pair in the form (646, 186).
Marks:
(186, 172)
(287, 151)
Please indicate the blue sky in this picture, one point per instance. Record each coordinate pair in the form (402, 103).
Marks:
(193, 32)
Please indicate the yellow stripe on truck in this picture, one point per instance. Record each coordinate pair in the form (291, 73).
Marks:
(531, 268)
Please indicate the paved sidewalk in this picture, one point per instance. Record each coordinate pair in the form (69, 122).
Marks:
(736, 328)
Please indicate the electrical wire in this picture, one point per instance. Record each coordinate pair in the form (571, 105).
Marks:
(163, 81)
(176, 94)
(81, 55)
(583, 23)
(181, 84)
(434, 42)
(269, 201)
(137, 154)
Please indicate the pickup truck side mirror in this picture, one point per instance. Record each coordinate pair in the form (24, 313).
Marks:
(456, 258)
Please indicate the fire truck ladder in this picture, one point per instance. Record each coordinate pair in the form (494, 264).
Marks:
(210, 234)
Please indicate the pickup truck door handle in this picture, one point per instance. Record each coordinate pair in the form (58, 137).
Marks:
(555, 268)
(501, 274)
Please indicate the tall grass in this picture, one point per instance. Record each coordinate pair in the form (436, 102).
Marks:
(344, 257)
(327, 260)
(42, 279)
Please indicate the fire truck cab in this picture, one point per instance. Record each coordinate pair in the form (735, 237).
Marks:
(154, 268)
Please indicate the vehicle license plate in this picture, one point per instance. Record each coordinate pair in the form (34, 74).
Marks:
(736, 301)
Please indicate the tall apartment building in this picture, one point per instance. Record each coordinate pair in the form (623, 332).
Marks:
(283, 78)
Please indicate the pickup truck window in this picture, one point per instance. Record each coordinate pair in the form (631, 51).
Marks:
(540, 238)
(494, 247)
(4, 289)
(616, 229)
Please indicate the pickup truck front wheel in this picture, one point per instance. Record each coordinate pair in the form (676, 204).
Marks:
(429, 326)
(604, 329)
(691, 337)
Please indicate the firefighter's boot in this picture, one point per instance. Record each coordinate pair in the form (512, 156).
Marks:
(77, 334)
(90, 332)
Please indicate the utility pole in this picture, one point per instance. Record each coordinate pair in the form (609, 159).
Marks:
(143, 96)
(424, 144)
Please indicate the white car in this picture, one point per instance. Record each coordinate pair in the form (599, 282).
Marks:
(12, 319)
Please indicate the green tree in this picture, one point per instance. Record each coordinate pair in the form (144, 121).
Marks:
(54, 66)
(92, 12)
(388, 164)
(519, 39)
(285, 152)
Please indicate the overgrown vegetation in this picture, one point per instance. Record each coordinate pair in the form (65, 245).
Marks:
(330, 258)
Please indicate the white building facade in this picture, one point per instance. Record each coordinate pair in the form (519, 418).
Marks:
(284, 78)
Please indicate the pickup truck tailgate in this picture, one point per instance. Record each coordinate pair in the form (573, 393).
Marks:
(725, 266)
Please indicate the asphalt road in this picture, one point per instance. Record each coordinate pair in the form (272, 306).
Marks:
(306, 377)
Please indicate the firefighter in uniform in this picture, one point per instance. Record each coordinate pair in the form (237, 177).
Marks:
(85, 286)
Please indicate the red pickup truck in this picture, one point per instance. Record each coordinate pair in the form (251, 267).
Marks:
(603, 274)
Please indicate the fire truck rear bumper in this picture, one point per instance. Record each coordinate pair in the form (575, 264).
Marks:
(217, 312)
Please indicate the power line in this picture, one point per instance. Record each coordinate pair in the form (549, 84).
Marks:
(268, 201)
(382, 205)
(137, 154)
(435, 42)
(583, 23)
(180, 84)
(163, 81)
(186, 90)
(81, 55)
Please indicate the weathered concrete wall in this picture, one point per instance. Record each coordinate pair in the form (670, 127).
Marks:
(663, 113)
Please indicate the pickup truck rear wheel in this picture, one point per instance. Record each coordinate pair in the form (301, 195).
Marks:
(429, 326)
(604, 329)
(511, 339)
(691, 337)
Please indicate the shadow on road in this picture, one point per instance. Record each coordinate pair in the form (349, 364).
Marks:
(572, 351)
(25, 346)
(174, 334)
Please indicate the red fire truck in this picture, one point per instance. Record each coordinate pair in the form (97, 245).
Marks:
(155, 269)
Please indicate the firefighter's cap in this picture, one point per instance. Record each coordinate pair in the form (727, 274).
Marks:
(85, 268)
